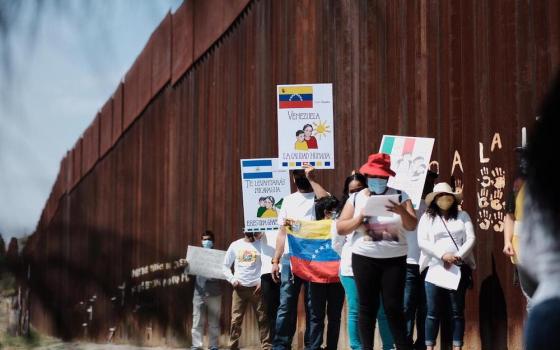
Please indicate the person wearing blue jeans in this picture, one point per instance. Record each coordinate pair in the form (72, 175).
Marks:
(446, 237)
(414, 293)
(415, 304)
(456, 300)
(542, 325)
(286, 318)
(299, 205)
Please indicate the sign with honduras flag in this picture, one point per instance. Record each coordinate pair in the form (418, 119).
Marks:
(311, 254)
(264, 187)
(305, 126)
(410, 159)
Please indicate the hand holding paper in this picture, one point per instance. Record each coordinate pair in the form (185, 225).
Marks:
(377, 205)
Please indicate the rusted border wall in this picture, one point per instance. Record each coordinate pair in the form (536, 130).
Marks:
(468, 73)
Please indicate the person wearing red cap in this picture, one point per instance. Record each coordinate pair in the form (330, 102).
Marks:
(379, 251)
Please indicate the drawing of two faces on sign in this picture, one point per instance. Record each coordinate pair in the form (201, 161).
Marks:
(268, 208)
(407, 167)
(305, 140)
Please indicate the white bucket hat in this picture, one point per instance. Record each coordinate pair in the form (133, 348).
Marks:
(442, 187)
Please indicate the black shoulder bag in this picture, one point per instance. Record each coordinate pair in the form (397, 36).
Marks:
(465, 268)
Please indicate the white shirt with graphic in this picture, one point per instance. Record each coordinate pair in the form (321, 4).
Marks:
(383, 236)
(296, 206)
(246, 260)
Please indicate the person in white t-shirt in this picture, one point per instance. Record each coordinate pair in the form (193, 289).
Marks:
(299, 205)
(343, 246)
(414, 294)
(446, 236)
(379, 251)
(245, 256)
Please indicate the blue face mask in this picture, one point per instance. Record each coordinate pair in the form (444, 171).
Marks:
(206, 243)
(377, 185)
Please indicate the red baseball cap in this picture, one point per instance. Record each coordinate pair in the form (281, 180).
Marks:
(378, 164)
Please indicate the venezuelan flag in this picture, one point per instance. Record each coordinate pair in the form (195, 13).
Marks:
(312, 256)
(295, 97)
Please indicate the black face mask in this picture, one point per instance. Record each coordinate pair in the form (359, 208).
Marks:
(523, 167)
(303, 184)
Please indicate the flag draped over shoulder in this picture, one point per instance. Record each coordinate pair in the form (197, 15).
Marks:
(312, 256)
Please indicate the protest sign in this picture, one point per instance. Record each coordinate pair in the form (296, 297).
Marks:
(264, 187)
(410, 158)
(205, 262)
(305, 126)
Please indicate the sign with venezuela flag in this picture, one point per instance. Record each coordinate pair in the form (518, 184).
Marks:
(305, 126)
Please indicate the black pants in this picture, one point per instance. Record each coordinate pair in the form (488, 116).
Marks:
(385, 276)
(271, 298)
(323, 297)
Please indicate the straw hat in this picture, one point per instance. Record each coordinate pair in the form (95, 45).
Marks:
(442, 187)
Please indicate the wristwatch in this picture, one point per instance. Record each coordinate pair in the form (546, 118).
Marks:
(275, 261)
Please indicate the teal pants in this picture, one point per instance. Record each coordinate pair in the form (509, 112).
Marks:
(353, 306)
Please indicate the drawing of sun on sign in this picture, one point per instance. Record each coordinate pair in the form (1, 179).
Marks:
(264, 187)
(410, 157)
(306, 112)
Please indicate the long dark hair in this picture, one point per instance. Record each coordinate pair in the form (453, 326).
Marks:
(346, 191)
(433, 210)
(542, 181)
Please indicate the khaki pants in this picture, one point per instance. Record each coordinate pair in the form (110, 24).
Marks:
(242, 296)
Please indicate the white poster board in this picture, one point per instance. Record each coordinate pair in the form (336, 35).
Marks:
(444, 278)
(205, 262)
(305, 126)
(264, 187)
(410, 159)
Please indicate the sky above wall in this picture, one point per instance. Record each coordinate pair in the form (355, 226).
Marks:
(59, 62)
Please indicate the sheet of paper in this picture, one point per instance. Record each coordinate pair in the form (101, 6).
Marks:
(444, 278)
(376, 205)
(205, 262)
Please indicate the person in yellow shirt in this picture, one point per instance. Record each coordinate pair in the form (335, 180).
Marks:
(300, 144)
(512, 225)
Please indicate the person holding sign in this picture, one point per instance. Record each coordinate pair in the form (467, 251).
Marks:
(245, 256)
(299, 205)
(207, 302)
(379, 251)
(446, 239)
